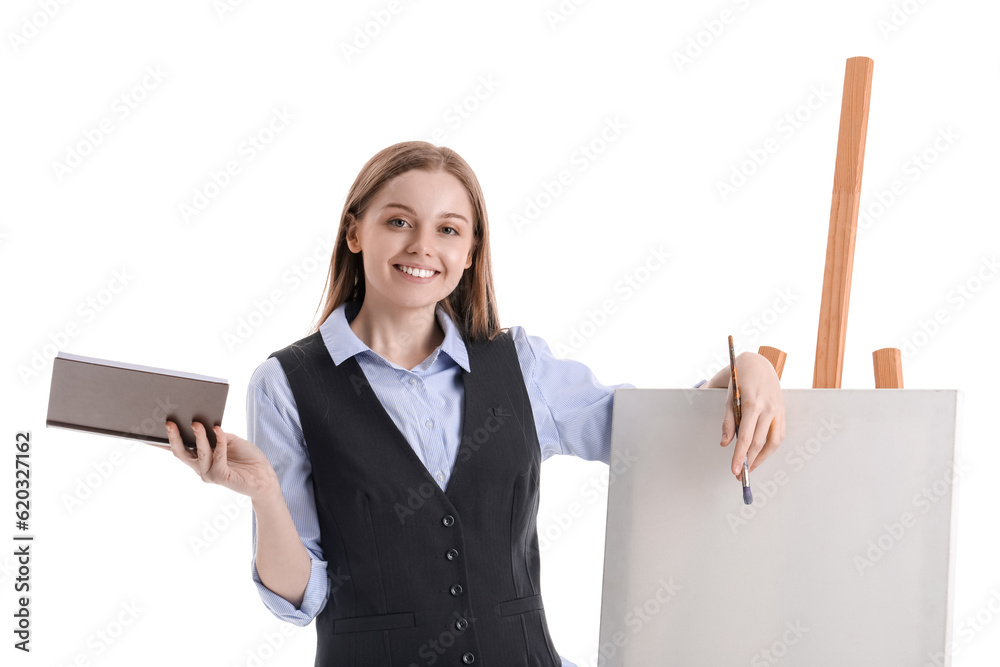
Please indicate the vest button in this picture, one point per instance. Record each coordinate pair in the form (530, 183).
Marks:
(452, 554)
(456, 589)
(448, 520)
(468, 658)
(461, 624)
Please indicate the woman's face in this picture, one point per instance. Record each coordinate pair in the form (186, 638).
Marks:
(420, 222)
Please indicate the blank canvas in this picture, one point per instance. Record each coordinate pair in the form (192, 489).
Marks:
(845, 556)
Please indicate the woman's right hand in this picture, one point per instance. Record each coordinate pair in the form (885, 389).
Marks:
(235, 463)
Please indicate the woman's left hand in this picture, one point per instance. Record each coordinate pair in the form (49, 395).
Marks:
(762, 412)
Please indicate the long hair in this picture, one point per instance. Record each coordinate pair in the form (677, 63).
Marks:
(472, 304)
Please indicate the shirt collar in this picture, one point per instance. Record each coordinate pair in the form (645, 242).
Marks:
(342, 342)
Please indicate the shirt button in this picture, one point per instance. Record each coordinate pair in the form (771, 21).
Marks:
(461, 624)
(452, 554)
(468, 658)
(413, 380)
(439, 476)
(448, 520)
(456, 589)
(428, 423)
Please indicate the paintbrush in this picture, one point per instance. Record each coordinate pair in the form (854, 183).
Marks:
(747, 495)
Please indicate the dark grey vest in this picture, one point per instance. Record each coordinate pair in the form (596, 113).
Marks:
(421, 576)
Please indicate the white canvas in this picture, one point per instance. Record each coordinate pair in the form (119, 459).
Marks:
(845, 556)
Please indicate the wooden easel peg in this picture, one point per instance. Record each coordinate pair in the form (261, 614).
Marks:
(777, 359)
(775, 356)
(888, 368)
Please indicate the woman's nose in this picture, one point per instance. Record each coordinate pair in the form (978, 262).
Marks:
(422, 241)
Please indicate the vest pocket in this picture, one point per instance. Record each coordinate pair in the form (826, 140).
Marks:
(520, 605)
(373, 623)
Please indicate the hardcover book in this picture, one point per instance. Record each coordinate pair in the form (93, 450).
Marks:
(132, 401)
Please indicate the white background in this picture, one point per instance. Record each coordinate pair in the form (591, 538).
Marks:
(683, 128)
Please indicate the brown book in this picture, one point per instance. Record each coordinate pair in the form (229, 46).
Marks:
(132, 401)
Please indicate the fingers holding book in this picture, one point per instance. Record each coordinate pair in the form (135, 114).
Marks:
(234, 463)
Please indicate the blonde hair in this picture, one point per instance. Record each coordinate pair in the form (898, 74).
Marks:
(472, 304)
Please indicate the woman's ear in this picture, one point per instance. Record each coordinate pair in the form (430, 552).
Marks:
(472, 253)
(352, 233)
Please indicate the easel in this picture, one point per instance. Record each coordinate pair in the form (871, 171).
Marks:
(870, 572)
(840, 244)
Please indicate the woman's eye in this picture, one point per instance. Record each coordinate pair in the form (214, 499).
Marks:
(450, 231)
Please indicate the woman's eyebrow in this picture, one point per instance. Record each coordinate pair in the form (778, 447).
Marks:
(414, 213)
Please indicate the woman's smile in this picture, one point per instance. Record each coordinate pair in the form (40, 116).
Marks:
(414, 274)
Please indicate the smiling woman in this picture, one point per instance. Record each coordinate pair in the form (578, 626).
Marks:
(394, 453)
(416, 242)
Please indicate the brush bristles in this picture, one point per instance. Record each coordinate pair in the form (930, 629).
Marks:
(747, 496)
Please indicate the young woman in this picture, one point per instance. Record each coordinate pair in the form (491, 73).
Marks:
(393, 454)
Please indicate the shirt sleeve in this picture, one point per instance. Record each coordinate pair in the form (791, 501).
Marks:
(273, 426)
(571, 408)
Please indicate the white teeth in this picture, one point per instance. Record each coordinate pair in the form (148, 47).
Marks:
(419, 273)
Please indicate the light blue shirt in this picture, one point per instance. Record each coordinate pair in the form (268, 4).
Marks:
(571, 409)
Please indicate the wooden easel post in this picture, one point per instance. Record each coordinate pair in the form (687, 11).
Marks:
(843, 223)
(842, 234)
